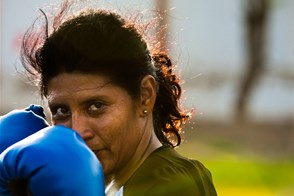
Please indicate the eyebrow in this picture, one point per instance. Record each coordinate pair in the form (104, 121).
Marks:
(93, 99)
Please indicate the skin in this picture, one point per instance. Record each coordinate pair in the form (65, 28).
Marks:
(112, 123)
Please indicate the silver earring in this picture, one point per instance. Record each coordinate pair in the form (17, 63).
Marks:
(145, 111)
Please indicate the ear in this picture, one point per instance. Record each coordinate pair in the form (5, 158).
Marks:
(147, 95)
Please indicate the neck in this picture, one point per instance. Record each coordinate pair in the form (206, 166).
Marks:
(147, 145)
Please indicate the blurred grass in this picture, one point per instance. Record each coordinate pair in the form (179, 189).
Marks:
(252, 177)
(259, 162)
(233, 175)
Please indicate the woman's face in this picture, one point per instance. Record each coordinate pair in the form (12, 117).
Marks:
(104, 114)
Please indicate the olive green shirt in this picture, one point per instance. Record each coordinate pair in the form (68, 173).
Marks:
(166, 172)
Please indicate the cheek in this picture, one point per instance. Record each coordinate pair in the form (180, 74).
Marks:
(119, 133)
(65, 123)
(108, 129)
(111, 133)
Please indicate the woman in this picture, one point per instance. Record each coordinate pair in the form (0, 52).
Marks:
(102, 80)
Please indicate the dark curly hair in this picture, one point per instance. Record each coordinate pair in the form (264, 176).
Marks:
(100, 41)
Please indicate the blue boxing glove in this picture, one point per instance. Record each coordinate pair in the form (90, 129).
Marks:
(53, 161)
(18, 124)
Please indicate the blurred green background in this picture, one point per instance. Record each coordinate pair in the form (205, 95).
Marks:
(236, 61)
(244, 159)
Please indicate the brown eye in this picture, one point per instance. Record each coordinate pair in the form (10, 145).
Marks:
(60, 113)
(96, 106)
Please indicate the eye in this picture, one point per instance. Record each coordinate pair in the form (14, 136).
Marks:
(60, 113)
(96, 107)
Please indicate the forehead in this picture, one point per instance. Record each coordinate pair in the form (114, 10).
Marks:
(65, 84)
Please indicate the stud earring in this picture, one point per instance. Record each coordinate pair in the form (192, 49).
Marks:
(145, 111)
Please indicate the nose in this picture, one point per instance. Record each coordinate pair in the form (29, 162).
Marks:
(82, 126)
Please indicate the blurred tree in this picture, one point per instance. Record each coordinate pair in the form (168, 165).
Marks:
(256, 17)
(161, 31)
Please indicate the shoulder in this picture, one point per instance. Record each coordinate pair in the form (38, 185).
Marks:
(165, 172)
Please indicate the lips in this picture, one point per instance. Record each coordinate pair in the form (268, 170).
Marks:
(98, 152)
